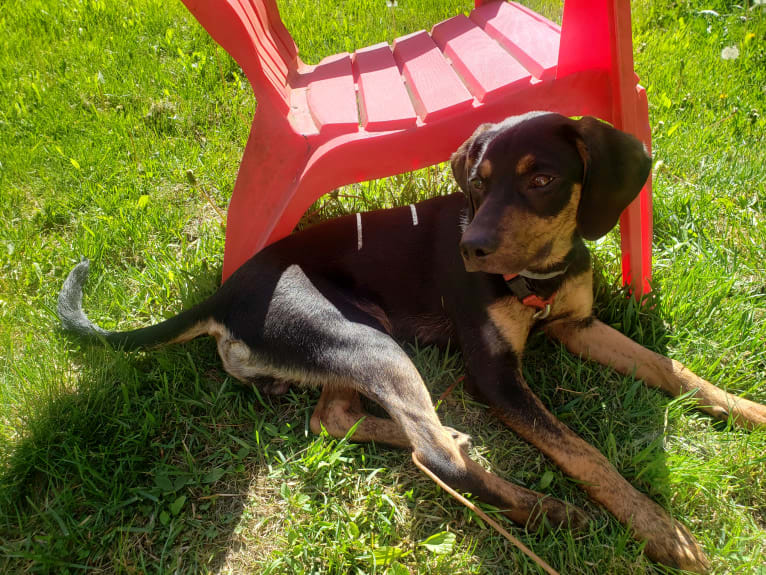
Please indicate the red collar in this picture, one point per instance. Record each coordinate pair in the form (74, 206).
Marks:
(518, 286)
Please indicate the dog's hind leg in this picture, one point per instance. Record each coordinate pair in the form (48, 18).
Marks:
(339, 409)
(597, 341)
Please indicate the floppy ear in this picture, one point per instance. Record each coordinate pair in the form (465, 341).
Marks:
(462, 159)
(616, 166)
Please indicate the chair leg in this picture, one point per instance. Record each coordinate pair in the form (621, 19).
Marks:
(273, 160)
(631, 114)
(636, 221)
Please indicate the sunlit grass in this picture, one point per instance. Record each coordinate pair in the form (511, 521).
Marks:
(159, 462)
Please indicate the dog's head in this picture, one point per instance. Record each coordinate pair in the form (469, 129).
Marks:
(536, 182)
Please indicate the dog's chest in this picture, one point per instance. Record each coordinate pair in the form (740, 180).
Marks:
(513, 320)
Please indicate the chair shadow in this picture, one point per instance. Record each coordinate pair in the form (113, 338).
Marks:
(148, 453)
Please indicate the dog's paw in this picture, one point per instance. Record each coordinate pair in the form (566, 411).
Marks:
(675, 546)
(749, 414)
(556, 513)
(276, 387)
(463, 440)
(269, 385)
(743, 413)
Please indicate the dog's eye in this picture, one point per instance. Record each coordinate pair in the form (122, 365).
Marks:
(477, 183)
(540, 181)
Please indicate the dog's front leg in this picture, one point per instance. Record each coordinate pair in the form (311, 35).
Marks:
(498, 379)
(597, 341)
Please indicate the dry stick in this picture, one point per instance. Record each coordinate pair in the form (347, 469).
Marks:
(524, 549)
(220, 68)
(448, 391)
(215, 207)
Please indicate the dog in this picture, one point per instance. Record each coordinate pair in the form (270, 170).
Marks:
(482, 268)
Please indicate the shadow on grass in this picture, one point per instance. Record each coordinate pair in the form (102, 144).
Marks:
(122, 471)
(146, 465)
(158, 460)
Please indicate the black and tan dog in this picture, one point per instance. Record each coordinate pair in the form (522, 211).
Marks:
(327, 306)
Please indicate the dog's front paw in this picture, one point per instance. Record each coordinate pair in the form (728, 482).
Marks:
(673, 545)
(555, 513)
(749, 414)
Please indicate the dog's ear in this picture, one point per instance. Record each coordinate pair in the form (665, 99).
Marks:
(462, 160)
(616, 166)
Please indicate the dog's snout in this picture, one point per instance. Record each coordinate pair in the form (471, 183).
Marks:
(476, 246)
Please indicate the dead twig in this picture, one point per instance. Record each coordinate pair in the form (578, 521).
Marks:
(494, 524)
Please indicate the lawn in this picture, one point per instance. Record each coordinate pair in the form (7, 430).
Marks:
(119, 120)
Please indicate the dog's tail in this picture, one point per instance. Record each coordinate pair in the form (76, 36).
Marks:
(183, 327)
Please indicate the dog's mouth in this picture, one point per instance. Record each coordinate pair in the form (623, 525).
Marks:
(492, 265)
(499, 263)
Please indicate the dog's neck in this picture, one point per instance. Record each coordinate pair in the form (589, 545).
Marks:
(537, 288)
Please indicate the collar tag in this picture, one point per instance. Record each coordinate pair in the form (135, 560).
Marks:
(543, 313)
(517, 284)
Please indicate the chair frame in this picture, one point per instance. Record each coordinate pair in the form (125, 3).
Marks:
(302, 145)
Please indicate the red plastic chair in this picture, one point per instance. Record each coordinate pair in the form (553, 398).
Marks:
(390, 109)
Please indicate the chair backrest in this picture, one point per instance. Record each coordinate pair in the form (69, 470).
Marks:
(596, 34)
(586, 35)
(253, 33)
(592, 31)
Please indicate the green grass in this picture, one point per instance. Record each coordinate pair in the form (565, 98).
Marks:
(158, 462)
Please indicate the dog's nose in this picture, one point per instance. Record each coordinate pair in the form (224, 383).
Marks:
(477, 246)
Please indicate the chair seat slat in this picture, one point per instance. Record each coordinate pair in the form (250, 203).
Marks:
(436, 89)
(384, 103)
(485, 67)
(331, 95)
(530, 38)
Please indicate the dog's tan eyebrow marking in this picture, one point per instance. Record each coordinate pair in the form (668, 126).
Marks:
(485, 169)
(525, 164)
